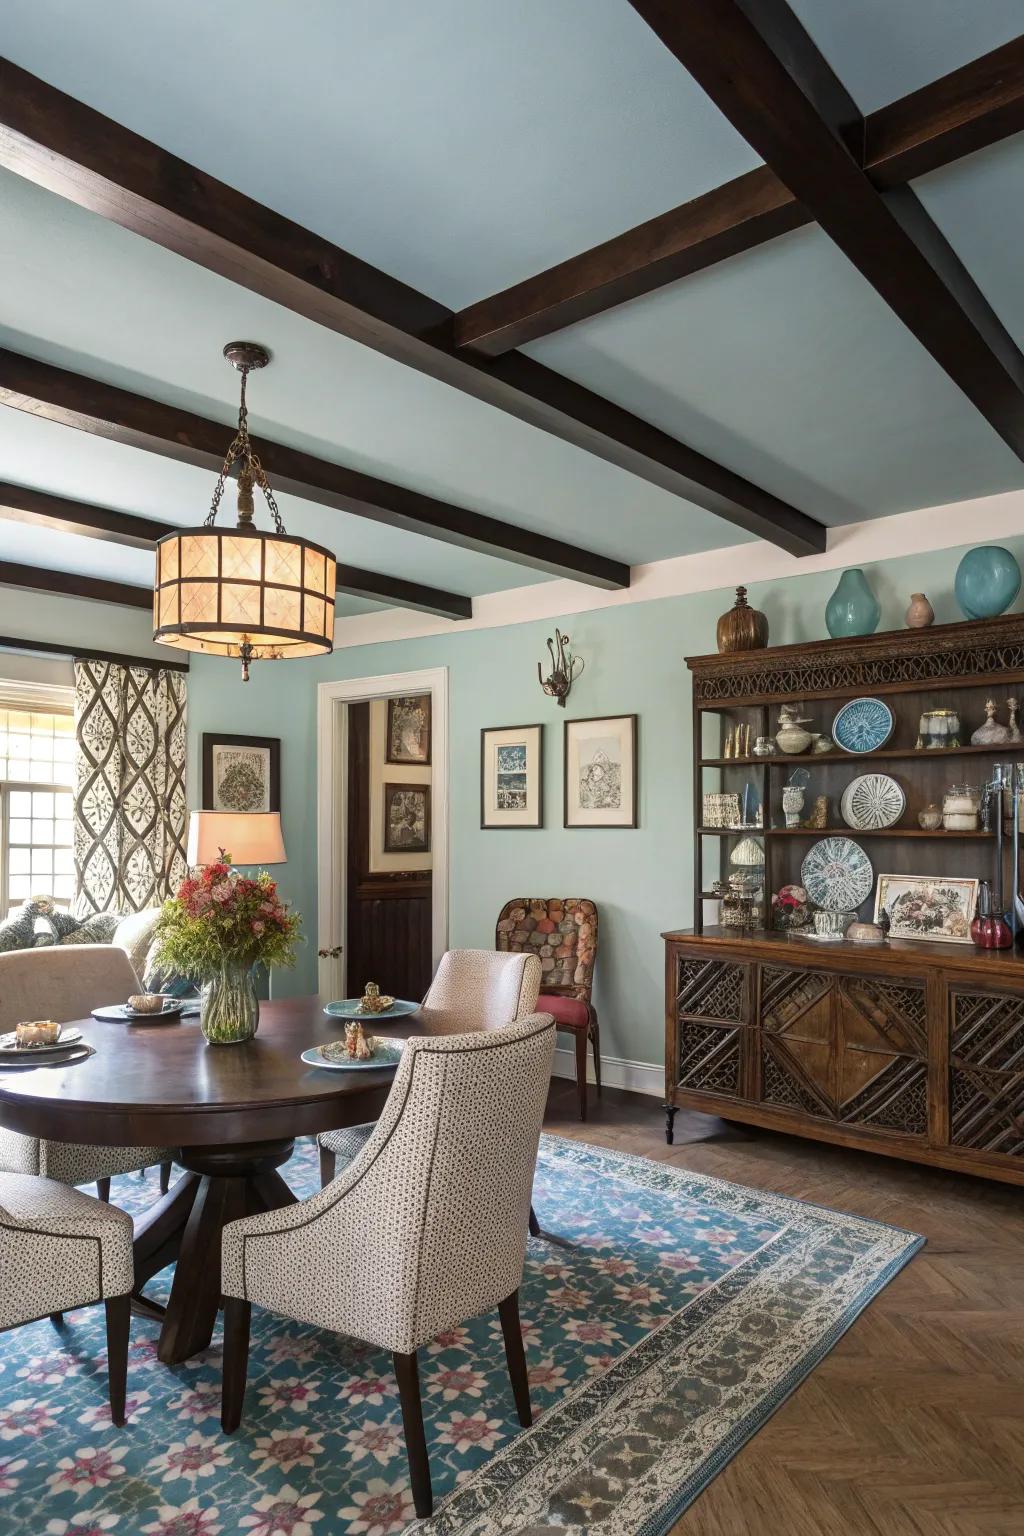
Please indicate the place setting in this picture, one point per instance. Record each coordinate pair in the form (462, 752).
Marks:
(147, 1008)
(42, 1043)
(356, 1050)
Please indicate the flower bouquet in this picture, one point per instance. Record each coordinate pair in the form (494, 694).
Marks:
(215, 930)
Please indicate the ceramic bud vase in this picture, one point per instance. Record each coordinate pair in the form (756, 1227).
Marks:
(853, 609)
(920, 614)
(229, 1008)
(743, 628)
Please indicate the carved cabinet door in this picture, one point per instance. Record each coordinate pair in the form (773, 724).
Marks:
(986, 1071)
(710, 1010)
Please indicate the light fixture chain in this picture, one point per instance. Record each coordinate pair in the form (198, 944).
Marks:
(264, 485)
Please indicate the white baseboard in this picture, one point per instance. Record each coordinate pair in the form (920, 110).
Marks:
(616, 1072)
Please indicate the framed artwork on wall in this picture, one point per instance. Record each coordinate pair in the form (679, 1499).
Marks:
(512, 776)
(600, 772)
(928, 906)
(408, 738)
(406, 818)
(241, 773)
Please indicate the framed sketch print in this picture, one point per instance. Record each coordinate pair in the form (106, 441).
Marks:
(927, 906)
(512, 776)
(241, 773)
(406, 818)
(601, 772)
(408, 739)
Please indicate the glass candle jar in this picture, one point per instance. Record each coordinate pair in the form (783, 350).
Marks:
(938, 728)
(960, 806)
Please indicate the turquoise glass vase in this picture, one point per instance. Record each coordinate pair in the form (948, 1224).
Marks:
(229, 1010)
(987, 581)
(853, 609)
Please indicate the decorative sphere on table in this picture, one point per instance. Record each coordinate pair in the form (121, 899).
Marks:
(853, 609)
(987, 581)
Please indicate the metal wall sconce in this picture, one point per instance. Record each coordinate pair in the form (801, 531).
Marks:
(565, 668)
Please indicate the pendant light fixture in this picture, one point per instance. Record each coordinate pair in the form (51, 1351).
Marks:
(242, 592)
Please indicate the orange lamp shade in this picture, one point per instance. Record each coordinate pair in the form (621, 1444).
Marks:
(247, 837)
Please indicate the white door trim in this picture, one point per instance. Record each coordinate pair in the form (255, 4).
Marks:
(331, 790)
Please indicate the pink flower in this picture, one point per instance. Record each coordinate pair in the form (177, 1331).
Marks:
(587, 1331)
(682, 1263)
(198, 1403)
(287, 1449)
(381, 1441)
(85, 1523)
(25, 1417)
(8, 1466)
(452, 1338)
(257, 926)
(614, 1267)
(291, 1393)
(285, 1513)
(49, 1370)
(195, 1456)
(366, 1389)
(548, 1376)
(568, 1296)
(379, 1510)
(452, 1382)
(222, 892)
(184, 1520)
(467, 1430)
(97, 1415)
(90, 1467)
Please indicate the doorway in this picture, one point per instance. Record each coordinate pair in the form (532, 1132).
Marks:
(382, 832)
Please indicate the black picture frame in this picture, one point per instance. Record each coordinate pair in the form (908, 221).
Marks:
(618, 826)
(390, 791)
(425, 699)
(499, 826)
(214, 739)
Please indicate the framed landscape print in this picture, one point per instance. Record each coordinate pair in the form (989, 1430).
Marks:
(927, 906)
(601, 772)
(241, 773)
(406, 818)
(512, 776)
(408, 739)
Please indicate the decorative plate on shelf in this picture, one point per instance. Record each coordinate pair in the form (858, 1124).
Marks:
(863, 725)
(871, 802)
(837, 874)
(348, 1008)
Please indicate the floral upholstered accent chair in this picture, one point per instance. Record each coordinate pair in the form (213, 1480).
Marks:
(562, 932)
(61, 1249)
(423, 1230)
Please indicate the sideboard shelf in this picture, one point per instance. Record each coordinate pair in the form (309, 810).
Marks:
(844, 831)
(791, 759)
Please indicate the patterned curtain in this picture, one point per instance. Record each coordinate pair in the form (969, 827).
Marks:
(130, 811)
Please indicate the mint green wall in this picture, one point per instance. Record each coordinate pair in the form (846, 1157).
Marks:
(634, 663)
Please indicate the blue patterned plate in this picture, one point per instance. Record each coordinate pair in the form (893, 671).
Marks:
(863, 725)
(386, 1053)
(348, 1008)
(837, 874)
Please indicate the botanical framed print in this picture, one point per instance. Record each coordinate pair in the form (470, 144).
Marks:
(927, 906)
(600, 773)
(408, 739)
(406, 818)
(512, 776)
(241, 773)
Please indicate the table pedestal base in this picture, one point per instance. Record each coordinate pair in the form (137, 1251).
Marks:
(220, 1184)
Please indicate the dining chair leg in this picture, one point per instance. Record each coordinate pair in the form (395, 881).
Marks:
(103, 1189)
(508, 1311)
(595, 1041)
(408, 1375)
(534, 1223)
(237, 1318)
(57, 1319)
(581, 1070)
(119, 1317)
(328, 1163)
(165, 1177)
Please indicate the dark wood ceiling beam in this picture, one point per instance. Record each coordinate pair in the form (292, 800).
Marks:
(973, 106)
(41, 509)
(763, 72)
(65, 146)
(139, 422)
(36, 578)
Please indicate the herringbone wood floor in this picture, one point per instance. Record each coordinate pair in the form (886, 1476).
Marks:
(914, 1424)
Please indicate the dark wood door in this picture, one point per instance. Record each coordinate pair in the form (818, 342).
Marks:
(388, 937)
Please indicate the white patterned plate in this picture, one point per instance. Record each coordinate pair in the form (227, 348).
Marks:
(386, 1053)
(120, 1013)
(9, 1044)
(871, 802)
(863, 725)
(837, 874)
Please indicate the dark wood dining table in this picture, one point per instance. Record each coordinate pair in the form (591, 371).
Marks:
(230, 1113)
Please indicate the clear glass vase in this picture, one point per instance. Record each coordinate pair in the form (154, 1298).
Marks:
(230, 1009)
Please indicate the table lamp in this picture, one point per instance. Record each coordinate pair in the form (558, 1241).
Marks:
(245, 837)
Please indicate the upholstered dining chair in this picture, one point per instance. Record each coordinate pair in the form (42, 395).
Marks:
(473, 989)
(562, 932)
(424, 1229)
(60, 1249)
(66, 982)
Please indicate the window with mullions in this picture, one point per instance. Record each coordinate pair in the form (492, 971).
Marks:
(36, 798)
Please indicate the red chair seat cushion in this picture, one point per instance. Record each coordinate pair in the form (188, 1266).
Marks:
(569, 1012)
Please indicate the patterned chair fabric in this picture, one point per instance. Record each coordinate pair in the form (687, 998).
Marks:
(64, 983)
(562, 932)
(426, 1227)
(59, 1249)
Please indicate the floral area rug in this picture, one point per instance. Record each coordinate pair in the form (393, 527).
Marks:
(665, 1316)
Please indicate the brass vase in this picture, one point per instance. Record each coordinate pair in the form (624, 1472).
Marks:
(743, 628)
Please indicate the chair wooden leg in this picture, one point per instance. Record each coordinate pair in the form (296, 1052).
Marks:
(328, 1163)
(119, 1317)
(237, 1317)
(580, 1036)
(57, 1319)
(595, 1041)
(165, 1177)
(103, 1189)
(415, 1440)
(508, 1311)
(534, 1223)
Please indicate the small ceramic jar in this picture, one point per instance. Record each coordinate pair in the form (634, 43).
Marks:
(791, 736)
(832, 923)
(960, 806)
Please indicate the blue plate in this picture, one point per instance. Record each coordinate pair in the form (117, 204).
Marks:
(387, 1053)
(863, 725)
(348, 1008)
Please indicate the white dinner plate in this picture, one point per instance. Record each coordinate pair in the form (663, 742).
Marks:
(9, 1044)
(387, 1053)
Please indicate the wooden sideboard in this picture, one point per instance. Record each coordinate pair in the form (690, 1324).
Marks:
(913, 1050)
